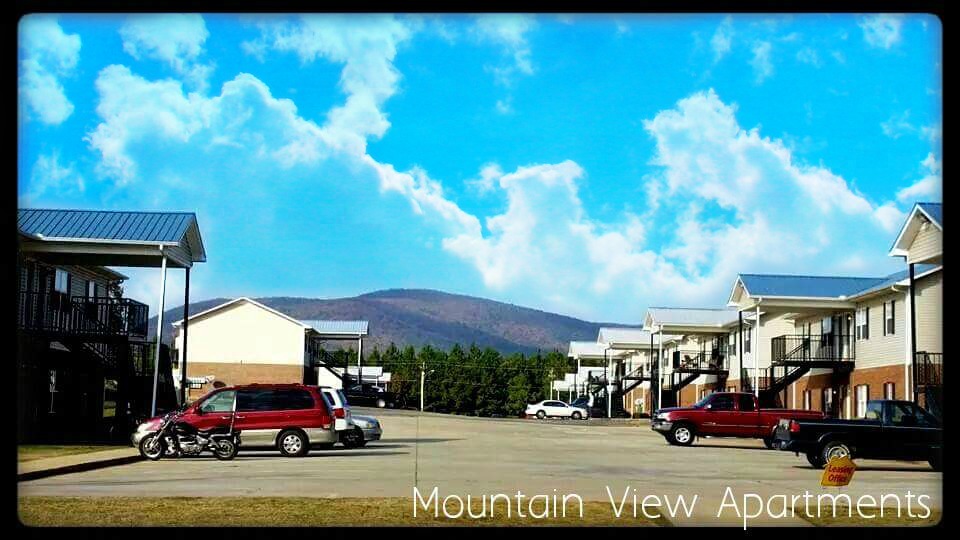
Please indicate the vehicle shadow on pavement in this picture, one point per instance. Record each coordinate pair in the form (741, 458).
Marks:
(420, 440)
(699, 445)
(312, 455)
(874, 468)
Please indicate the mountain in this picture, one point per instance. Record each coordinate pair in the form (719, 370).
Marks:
(420, 317)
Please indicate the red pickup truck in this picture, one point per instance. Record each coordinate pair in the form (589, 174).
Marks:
(724, 414)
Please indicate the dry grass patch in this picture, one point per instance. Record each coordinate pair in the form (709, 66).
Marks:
(275, 511)
(844, 518)
(30, 452)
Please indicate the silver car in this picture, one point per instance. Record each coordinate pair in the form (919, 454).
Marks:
(368, 425)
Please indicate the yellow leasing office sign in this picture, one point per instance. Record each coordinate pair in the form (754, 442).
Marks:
(839, 472)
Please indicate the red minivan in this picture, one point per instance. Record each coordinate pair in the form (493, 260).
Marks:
(288, 417)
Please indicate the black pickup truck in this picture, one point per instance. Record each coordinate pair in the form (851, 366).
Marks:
(890, 429)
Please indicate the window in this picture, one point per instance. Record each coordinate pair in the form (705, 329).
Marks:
(863, 396)
(874, 411)
(91, 289)
(732, 344)
(747, 340)
(907, 414)
(746, 402)
(219, 402)
(826, 325)
(863, 323)
(889, 316)
(826, 401)
(61, 281)
(807, 400)
(889, 390)
(292, 400)
(722, 403)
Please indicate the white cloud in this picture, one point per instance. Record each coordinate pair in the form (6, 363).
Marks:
(47, 53)
(929, 187)
(505, 106)
(727, 200)
(761, 62)
(889, 217)
(509, 31)
(173, 38)
(49, 175)
(898, 125)
(881, 31)
(810, 56)
(722, 39)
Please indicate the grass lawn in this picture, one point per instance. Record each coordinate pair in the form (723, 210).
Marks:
(30, 452)
(844, 518)
(275, 511)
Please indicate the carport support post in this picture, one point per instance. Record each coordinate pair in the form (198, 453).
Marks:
(360, 361)
(423, 375)
(156, 358)
(606, 382)
(186, 323)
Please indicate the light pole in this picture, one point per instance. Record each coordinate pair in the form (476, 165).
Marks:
(423, 378)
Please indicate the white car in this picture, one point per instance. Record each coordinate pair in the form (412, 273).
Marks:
(557, 409)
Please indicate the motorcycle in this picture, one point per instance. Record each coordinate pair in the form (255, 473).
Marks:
(175, 439)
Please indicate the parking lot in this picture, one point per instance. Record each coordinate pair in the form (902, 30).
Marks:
(466, 455)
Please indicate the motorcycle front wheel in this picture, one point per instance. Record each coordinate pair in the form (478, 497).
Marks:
(152, 447)
(225, 449)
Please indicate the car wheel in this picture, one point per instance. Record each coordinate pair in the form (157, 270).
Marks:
(769, 443)
(352, 438)
(681, 435)
(541, 415)
(381, 404)
(815, 460)
(293, 443)
(835, 449)
(576, 415)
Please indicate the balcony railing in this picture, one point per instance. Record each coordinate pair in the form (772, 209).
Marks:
(96, 316)
(929, 369)
(822, 348)
(699, 361)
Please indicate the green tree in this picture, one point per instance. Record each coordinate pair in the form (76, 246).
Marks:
(518, 391)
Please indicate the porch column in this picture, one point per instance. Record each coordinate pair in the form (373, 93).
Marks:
(913, 339)
(740, 345)
(575, 375)
(660, 367)
(186, 324)
(756, 356)
(606, 382)
(156, 358)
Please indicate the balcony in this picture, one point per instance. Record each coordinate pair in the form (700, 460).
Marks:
(823, 351)
(929, 369)
(699, 362)
(81, 316)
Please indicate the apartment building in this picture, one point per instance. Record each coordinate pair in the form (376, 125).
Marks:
(242, 341)
(84, 365)
(696, 351)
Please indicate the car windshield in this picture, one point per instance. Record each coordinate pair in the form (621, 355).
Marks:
(343, 399)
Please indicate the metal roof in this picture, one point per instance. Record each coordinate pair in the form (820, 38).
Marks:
(338, 328)
(805, 286)
(668, 316)
(821, 286)
(628, 336)
(592, 349)
(104, 226)
(934, 211)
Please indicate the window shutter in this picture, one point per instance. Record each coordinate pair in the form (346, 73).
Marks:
(866, 324)
(884, 318)
(893, 317)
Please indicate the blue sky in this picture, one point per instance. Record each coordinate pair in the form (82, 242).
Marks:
(589, 165)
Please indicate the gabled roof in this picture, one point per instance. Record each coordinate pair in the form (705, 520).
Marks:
(691, 317)
(225, 305)
(919, 271)
(102, 227)
(590, 349)
(933, 212)
(333, 328)
(790, 286)
(628, 337)
(820, 287)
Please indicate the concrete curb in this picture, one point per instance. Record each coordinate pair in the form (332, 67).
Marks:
(78, 467)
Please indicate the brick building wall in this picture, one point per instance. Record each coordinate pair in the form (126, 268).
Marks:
(240, 373)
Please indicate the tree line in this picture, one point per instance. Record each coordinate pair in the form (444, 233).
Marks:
(471, 381)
